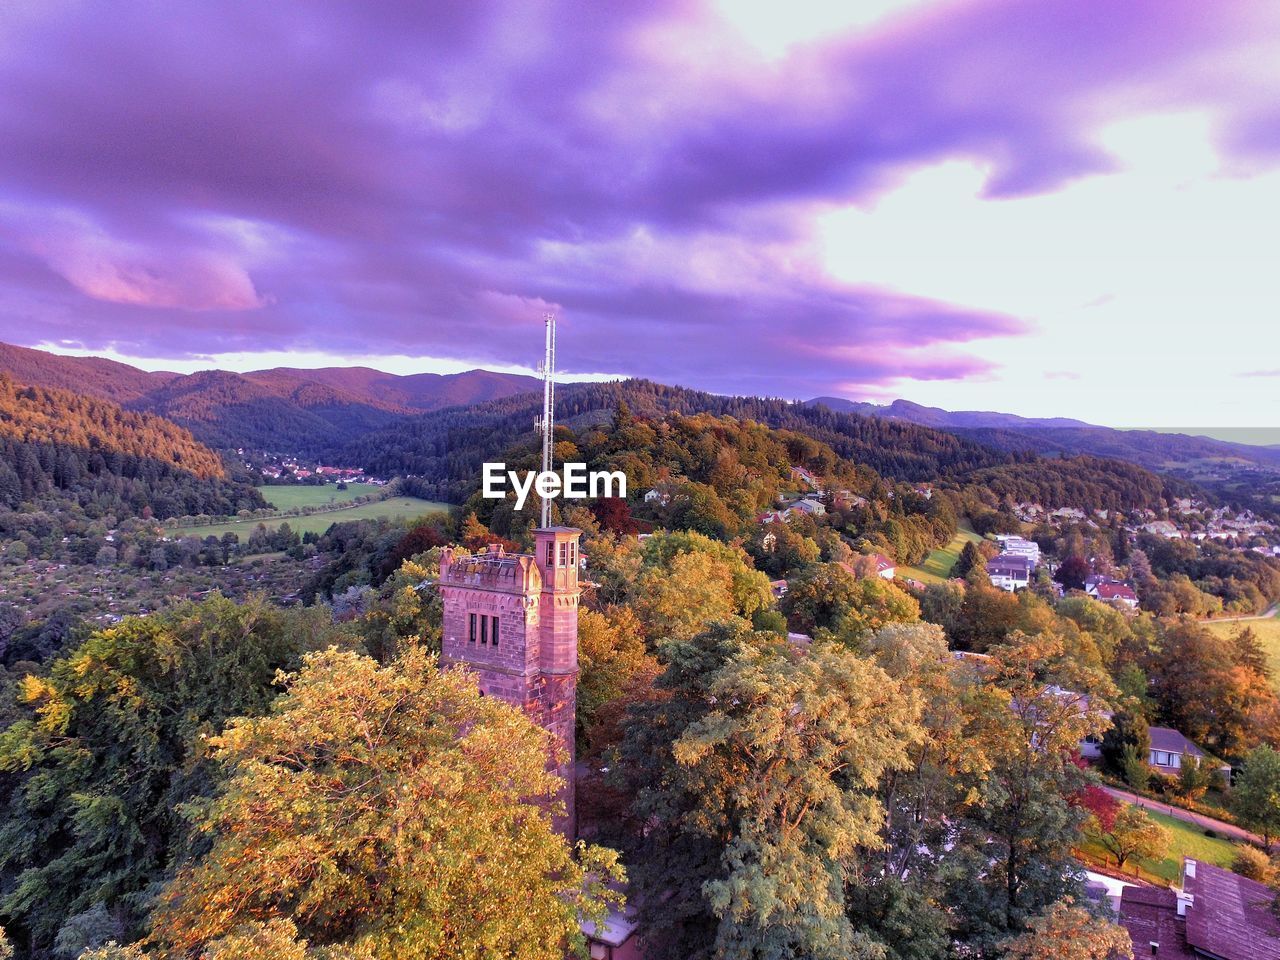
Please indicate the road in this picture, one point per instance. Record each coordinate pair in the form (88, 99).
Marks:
(1222, 828)
(1271, 611)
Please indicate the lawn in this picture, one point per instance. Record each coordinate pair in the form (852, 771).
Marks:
(1268, 632)
(937, 566)
(1186, 840)
(286, 496)
(394, 508)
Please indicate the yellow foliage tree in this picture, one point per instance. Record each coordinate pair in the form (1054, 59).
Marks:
(390, 810)
(1068, 932)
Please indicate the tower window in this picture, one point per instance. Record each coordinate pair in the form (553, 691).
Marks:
(493, 632)
(484, 629)
(564, 554)
(551, 554)
(472, 635)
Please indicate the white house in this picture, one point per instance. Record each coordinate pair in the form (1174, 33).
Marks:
(886, 569)
(1113, 592)
(1009, 572)
(1020, 547)
(1170, 749)
(811, 507)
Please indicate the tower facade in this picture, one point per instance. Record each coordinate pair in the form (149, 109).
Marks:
(513, 620)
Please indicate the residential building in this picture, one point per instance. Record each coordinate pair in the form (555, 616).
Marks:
(886, 569)
(1020, 547)
(1170, 749)
(1114, 592)
(1215, 915)
(1009, 572)
(811, 507)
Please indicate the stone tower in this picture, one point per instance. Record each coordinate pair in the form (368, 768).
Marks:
(513, 619)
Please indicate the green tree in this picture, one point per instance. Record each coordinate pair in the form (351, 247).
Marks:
(115, 745)
(1128, 731)
(392, 809)
(1195, 776)
(755, 780)
(970, 559)
(1255, 797)
(1012, 857)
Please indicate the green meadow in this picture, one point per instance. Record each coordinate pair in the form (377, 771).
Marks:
(937, 566)
(287, 497)
(393, 508)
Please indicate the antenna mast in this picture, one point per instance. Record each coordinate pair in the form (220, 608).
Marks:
(548, 421)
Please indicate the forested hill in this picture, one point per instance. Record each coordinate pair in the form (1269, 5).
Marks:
(56, 445)
(447, 449)
(230, 410)
(89, 376)
(1059, 435)
(282, 410)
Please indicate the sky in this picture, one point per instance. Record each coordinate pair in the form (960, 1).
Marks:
(1045, 207)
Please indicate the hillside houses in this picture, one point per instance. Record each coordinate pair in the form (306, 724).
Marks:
(1113, 592)
(1010, 572)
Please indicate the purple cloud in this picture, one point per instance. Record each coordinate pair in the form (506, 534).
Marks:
(426, 179)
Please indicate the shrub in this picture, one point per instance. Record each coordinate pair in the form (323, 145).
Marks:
(1252, 863)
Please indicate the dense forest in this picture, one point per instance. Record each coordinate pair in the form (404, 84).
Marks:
(1085, 482)
(445, 450)
(57, 447)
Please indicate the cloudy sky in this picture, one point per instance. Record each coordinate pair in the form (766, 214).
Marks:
(1051, 207)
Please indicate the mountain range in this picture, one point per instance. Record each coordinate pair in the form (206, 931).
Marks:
(329, 412)
(1152, 449)
(286, 410)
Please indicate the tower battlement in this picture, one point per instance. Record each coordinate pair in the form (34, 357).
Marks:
(513, 619)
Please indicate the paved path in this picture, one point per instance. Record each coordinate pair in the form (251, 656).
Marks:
(1222, 828)
(1267, 614)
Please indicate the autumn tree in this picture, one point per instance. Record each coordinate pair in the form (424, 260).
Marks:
(1131, 833)
(1012, 857)
(95, 774)
(1067, 932)
(755, 780)
(612, 660)
(391, 809)
(896, 891)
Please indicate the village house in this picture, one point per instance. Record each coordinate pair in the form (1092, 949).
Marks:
(886, 569)
(1114, 592)
(1215, 915)
(811, 507)
(1009, 572)
(660, 497)
(1020, 547)
(805, 477)
(1169, 750)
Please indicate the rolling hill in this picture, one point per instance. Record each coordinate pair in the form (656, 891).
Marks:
(1058, 435)
(58, 447)
(286, 410)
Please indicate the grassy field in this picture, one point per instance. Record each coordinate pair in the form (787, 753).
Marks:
(1186, 840)
(285, 497)
(1268, 632)
(395, 508)
(937, 566)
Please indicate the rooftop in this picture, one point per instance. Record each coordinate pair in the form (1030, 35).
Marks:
(1171, 741)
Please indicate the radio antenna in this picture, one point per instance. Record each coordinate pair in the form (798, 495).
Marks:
(548, 420)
